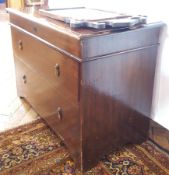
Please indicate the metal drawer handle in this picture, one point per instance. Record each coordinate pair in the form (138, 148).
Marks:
(35, 29)
(59, 113)
(24, 79)
(20, 45)
(57, 70)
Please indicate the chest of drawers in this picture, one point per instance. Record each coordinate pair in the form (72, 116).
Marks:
(93, 88)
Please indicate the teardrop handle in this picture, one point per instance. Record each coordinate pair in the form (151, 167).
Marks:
(20, 45)
(24, 79)
(57, 69)
(59, 113)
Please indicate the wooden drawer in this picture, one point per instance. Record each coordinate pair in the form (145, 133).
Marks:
(59, 113)
(60, 70)
(41, 28)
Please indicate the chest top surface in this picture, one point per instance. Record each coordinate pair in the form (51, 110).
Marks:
(84, 43)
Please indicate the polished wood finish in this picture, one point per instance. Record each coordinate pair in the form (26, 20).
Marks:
(46, 100)
(122, 42)
(19, 111)
(41, 29)
(93, 88)
(45, 64)
(119, 89)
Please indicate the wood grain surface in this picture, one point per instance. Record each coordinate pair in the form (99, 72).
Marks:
(98, 102)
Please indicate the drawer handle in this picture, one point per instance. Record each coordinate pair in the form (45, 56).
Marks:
(35, 29)
(59, 113)
(24, 79)
(57, 69)
(20, 45)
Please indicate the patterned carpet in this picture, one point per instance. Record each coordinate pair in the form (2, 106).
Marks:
(33, 149)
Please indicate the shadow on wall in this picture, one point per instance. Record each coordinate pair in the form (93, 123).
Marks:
(161, 94)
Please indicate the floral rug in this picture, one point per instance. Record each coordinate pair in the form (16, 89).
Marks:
(33, 149)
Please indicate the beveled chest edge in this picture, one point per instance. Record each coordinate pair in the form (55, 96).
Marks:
(85, 47)
(40, 28)
(113, 43)
(60, 50)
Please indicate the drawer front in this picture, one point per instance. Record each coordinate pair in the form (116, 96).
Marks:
(60, 70)
(61, 114)
(57, 36)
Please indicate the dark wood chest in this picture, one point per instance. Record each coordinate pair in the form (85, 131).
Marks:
(93, 88)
